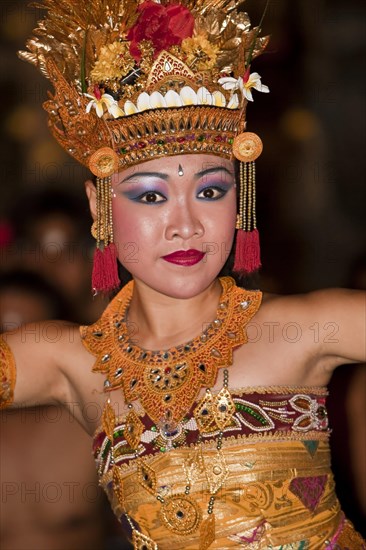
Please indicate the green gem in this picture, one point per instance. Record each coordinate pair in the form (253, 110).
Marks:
(153, 429)
(161, 142)
(201, 137)
(106, 449)
(123, 150)
(162, 449)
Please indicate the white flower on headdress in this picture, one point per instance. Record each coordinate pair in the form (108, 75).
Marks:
(99, 101)
(244, 84)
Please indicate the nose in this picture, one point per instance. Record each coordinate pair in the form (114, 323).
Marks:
(184, 223)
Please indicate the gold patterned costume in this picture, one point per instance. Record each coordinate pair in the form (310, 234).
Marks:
(270, 478)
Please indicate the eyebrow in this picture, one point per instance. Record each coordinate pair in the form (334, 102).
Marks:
(146, 174)
(165, 177)
(212, 170)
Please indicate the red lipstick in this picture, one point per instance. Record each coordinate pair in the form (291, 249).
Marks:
(184, 257)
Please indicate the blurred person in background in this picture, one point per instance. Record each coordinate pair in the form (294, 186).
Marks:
(52, 238)
(50, 498)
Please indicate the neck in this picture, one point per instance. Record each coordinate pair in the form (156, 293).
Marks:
(161, 322)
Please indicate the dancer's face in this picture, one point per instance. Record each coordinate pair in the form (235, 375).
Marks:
(165, 207)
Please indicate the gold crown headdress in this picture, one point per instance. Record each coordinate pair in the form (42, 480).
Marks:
(135, 81)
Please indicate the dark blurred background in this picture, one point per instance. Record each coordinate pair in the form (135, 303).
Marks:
(311, 176)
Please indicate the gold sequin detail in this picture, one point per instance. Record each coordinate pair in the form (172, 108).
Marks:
(108, 420)
(146, 476)
(133, 429)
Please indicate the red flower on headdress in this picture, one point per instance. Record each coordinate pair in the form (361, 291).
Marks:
(164, 26)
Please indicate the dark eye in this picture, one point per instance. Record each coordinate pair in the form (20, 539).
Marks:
(151, 197)
(211, 193)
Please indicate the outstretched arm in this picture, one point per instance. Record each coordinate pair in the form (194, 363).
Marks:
(34, 362)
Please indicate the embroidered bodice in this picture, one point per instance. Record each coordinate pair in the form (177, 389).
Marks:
(260, 415)
(278, 490)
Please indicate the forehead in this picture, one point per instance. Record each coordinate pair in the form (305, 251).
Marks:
(192, 164)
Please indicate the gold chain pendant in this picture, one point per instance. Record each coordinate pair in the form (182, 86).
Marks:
(142, 542)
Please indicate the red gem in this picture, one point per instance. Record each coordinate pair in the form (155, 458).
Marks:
(141, 144)
(167, 370)
(219, 138)
(181, 139)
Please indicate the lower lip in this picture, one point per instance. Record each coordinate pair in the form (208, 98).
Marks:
(184, 260)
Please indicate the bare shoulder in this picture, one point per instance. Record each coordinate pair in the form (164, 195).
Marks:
(52, 343)
(300, 339)
(331, 320)
(330, 304)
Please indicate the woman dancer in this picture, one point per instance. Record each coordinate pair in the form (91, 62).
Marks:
(218, 437)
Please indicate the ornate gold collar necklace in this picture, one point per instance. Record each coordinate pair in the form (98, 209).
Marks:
(167, 382)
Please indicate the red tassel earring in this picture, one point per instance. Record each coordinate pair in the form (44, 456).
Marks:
(246, 148)
(105, 271)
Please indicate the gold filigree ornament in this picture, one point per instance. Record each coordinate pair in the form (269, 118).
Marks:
(104, 162)
(168, 382)
(181, 514)
(108, 420)
(146, 476)
(142, 542)
(207, 532)
(214, 412)
(223, 409)
(216, 471)
(247, 147)
(133, 429)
